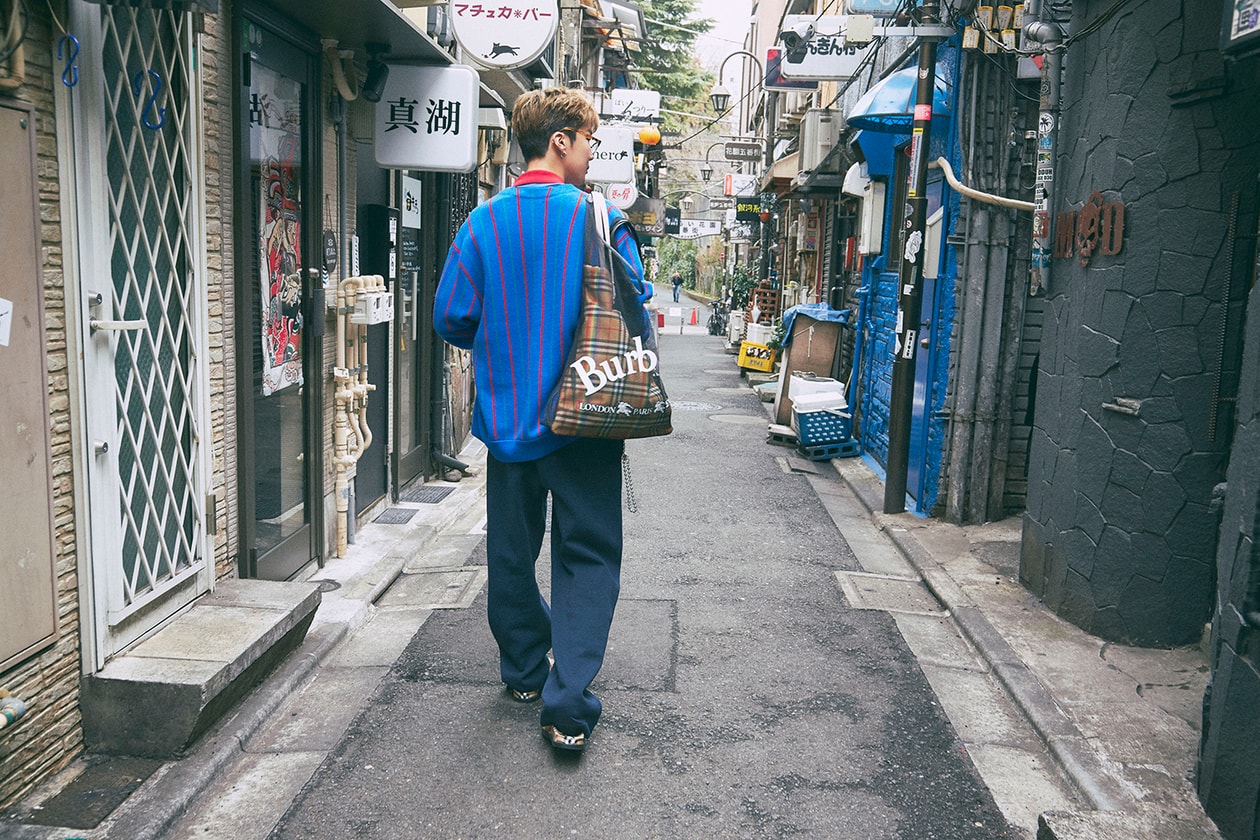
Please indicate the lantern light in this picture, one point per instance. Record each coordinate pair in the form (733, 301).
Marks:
(649, 135)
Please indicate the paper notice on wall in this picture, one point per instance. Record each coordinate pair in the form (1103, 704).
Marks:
(6, 321)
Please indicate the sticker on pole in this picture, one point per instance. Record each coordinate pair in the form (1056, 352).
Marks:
(505, 34)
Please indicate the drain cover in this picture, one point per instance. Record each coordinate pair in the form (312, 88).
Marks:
(681, 405)
(395, 516)
(426, 495)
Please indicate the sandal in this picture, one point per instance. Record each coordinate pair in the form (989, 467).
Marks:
(524, 696)
(560, 741)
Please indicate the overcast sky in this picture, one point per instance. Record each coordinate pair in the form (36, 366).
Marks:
(727, 36)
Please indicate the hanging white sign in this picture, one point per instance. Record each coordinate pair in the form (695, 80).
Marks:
(504, 34)
(737, 184)
(633, 105)
(427, 119)
(613, 162)
(696, 228)
(622, 196)
(827, 56)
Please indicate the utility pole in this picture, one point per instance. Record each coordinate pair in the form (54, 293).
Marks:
(766, 198)
(910, 277)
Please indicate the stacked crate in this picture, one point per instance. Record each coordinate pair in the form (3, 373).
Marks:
(823, 426)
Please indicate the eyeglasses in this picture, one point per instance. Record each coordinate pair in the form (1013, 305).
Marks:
(590, 138)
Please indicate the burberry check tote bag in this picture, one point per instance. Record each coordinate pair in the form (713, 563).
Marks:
(611, 387)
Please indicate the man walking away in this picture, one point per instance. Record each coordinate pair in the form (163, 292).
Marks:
(511, 293)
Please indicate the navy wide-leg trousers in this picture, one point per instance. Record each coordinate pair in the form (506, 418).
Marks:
(584, 481)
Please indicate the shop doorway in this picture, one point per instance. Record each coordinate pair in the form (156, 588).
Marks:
(278, 329)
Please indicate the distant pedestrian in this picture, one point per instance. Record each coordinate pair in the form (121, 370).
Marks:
(511, 292)
(677, 281)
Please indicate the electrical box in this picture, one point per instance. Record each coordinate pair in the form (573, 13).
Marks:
(820, 131)
(373, 308)
(871, 220)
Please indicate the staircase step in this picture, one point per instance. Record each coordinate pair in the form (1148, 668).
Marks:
(156, 699)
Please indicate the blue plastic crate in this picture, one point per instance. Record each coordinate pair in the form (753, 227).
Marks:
(818, 427)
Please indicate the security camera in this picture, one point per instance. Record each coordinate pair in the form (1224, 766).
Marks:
(796, 41)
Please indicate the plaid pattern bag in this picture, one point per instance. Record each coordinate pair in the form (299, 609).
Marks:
(611, 387)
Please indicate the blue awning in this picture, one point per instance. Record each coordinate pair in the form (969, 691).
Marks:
(889, 105)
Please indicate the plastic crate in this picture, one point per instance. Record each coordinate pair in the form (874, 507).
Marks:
(814, 428)
(756, 357)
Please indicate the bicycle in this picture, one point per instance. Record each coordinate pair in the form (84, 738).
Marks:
(718, 318)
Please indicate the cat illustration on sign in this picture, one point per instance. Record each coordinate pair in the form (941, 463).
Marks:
(502, 49)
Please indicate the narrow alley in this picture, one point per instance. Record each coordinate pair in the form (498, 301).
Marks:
(743, 697)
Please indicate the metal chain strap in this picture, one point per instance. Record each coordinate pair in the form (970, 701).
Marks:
(632, 504)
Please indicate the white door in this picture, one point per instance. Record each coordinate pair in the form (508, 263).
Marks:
(139, 276)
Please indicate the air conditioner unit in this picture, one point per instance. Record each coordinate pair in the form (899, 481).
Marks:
(820, 131)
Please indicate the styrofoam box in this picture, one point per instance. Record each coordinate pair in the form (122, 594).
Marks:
(799, 386)
(820, 401)
(759, 334)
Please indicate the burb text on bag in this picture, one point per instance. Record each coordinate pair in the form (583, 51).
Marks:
(596, 376)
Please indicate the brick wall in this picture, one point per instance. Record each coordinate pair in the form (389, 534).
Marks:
(220, 293)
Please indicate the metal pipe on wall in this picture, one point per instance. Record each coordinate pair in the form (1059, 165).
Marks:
(986, 414)
(969, 369)
(962, 406)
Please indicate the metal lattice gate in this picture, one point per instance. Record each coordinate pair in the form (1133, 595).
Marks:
(143, 361)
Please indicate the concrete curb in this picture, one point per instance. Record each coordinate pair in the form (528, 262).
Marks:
(157, 806)
(1076, 758)
(154, 809)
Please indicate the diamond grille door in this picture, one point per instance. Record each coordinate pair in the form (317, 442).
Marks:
(148, 230)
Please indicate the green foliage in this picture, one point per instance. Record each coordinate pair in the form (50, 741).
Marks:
(677, 255)
(742, 280)
(667, 62)
(777, 336)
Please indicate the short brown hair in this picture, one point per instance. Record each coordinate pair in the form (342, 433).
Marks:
(538, 114)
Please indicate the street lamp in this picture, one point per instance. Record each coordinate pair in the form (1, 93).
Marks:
(720, 96)
(706, 170)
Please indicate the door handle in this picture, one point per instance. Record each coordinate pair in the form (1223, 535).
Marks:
(97, 324)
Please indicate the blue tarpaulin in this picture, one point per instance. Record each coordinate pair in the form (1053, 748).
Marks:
(817, 311)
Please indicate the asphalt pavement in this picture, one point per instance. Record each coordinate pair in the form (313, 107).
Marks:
(742, 696)
(785, 661)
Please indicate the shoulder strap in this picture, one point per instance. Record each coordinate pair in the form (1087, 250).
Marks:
(599, 205)
(624, 224)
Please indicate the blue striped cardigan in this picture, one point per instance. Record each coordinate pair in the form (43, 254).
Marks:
(511, 292)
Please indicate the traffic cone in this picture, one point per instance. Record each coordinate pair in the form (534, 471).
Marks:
(694, 319)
